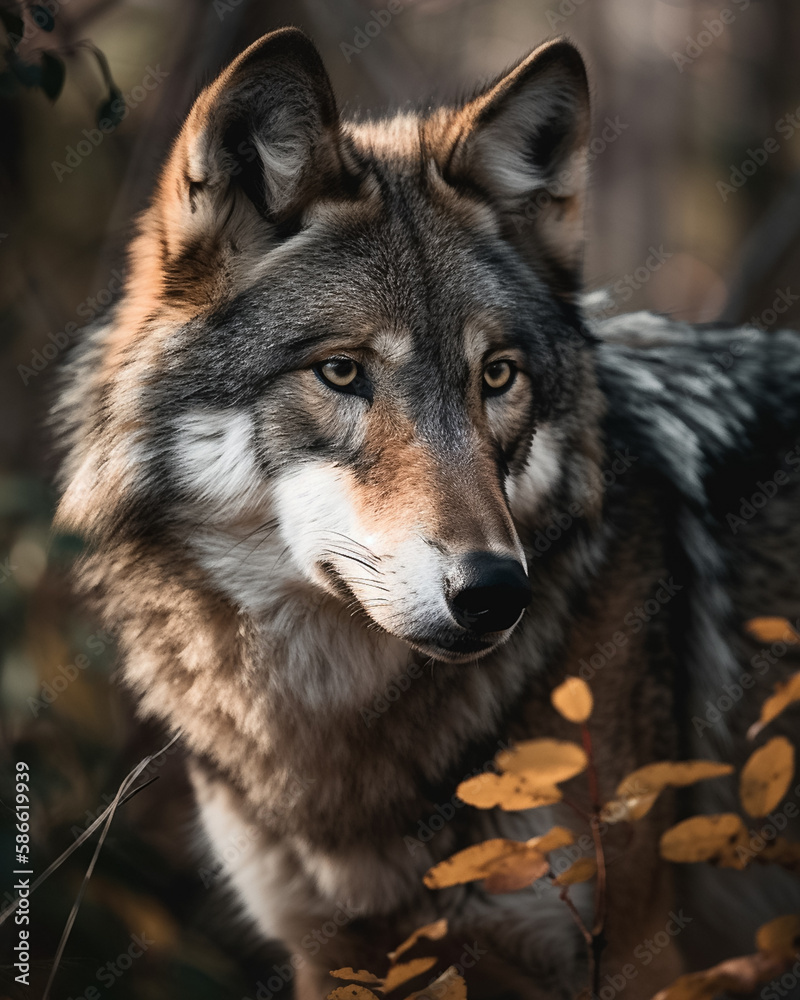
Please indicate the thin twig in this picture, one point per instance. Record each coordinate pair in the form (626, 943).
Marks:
(121, 792)
(598, 940)
(577, 809)
(86, 833)
(600, 909)
(591, 770)
(587, 934)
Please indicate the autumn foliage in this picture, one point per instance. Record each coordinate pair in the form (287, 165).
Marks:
(529, 776)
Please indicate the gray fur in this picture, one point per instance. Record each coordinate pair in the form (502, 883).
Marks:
(275, 555)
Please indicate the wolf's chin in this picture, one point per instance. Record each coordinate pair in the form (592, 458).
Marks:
(450, 655)
(462, 650)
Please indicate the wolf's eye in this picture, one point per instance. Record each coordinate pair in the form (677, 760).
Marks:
(344, 375)
(498, 377)
(339, 371)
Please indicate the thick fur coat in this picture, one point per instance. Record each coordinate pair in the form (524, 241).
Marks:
(350, 356)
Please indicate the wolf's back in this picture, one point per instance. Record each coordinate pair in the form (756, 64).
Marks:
(712, 414)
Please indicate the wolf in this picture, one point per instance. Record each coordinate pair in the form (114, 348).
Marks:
(364, 474)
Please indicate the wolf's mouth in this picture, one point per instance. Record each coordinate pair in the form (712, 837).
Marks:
(460, 649)
(456, 649)
(449, 645)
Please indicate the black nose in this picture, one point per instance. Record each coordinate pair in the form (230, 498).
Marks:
(494, 593)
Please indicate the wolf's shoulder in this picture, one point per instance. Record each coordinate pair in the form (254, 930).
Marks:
(691, 399)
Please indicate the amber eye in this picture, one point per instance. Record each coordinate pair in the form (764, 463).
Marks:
(498, 376)
(338, 372)
(344, 375)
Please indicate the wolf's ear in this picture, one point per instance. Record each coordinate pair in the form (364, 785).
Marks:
(524, 142)
(261, 138)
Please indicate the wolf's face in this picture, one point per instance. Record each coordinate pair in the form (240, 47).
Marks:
(358, 338)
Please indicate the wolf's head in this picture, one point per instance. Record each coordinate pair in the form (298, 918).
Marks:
(349, 347)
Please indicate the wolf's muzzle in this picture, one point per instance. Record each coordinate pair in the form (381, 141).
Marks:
(494, 591)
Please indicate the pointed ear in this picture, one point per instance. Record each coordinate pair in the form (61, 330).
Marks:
(523, 142)
(260, 141)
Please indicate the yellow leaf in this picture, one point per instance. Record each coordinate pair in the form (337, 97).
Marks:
(637, 792)
(573, 699)
(517, 871)
(357, 975)
(508, 791)
(546, 761)
(433, 932)
(784, 694)
(766, 776)
(351, 993)
(780, 937)
(559, 836)
(656, 777)
(707, 838)
(449, 986)
(520, 869)
(579, 871)
(478, 862)
(772, 630)
(399, 974)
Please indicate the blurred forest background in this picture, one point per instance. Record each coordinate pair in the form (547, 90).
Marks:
(695, 211)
